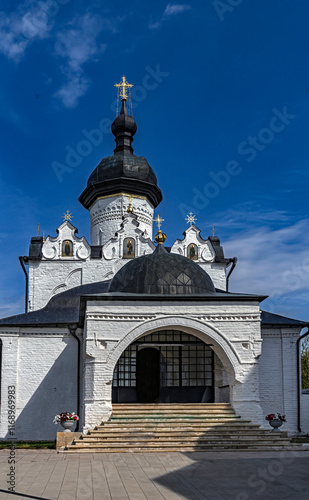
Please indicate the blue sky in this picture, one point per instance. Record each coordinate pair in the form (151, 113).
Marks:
(221, 103)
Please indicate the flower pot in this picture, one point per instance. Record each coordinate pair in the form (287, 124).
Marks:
(67, 424)
(275, 423)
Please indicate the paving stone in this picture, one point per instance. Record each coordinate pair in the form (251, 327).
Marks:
(47, 475)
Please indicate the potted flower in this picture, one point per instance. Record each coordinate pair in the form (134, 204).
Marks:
(66, 419)
(275, 420)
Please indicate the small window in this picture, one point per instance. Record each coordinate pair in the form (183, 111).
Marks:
(129, 248)
(192, 251)
(67, 248)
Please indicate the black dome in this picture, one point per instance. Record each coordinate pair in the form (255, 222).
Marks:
(122, 172)
(117, 166)
(162, 273)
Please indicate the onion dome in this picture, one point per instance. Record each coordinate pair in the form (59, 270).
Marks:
(122, 172)
(162, 273)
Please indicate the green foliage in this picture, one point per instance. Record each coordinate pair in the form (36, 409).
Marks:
(38, 445)
(305, 363)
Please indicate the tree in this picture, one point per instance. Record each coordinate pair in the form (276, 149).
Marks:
(305, 363)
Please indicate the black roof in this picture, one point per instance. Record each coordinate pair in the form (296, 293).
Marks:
(162, 273)
(68, 307)
(271, 319)
(63, 308)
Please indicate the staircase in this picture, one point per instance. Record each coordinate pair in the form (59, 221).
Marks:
(178, 427)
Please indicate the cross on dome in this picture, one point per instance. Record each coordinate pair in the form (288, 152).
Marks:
(122, 87)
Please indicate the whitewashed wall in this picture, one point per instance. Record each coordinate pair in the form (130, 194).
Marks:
(278, 374)
(42, 365)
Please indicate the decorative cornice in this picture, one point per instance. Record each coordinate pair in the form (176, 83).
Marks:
(145, 317)
(116, 215)
(279, 334)
(121, 194)
(119, 317)
(229, 317)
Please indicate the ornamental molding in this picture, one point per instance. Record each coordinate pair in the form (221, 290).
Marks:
(119, 317)
(146, 317)
(280, 334)
(99, 219)
(32, 333)
(229, 317)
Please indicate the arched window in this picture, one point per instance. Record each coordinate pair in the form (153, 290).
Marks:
(128, 248)
(67, 248)
(192, 251)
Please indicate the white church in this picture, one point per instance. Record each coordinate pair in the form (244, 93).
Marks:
(123, 319)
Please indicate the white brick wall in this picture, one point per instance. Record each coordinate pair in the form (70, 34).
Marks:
(43, 367)
(278, 374)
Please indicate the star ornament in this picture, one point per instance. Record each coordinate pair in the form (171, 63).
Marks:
(191, 219)
(67, 216)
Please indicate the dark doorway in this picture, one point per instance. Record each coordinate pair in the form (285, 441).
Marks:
(148, 375)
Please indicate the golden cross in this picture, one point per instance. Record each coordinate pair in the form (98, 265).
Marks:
(213, 230)
(123, 86)
(191, 219)
(67, 216)
(159, 221)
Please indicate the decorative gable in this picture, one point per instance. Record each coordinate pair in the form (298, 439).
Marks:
(129, 242)
(66, 245)
(194, 246)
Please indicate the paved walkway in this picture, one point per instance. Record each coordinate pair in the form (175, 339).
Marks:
(49, 475)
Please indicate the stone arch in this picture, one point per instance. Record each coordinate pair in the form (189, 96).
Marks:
(205, 331)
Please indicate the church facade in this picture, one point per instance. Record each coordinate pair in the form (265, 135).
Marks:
(123, 319)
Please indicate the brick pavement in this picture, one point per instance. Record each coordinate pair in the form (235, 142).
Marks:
(48, 475)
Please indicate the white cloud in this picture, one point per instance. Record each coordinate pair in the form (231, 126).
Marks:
(173, 9)
(170, 10)
(29, 22)
(273, 262)
(77, 46)
(72, 90)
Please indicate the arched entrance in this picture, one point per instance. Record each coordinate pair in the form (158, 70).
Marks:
(167, 366)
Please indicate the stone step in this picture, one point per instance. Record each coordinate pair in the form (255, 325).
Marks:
(186, 449)
(181, 439)
(147, 428)
(174, 433)
(178, 424)
(232, 416)
(171, 410)
(180, 446)
(170, 405)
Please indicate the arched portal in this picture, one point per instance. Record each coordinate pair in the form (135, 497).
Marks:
(167, 366)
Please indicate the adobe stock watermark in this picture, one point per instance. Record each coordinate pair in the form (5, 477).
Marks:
(94, 137)
(221, 7)
(250, 148)
(264, 476)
